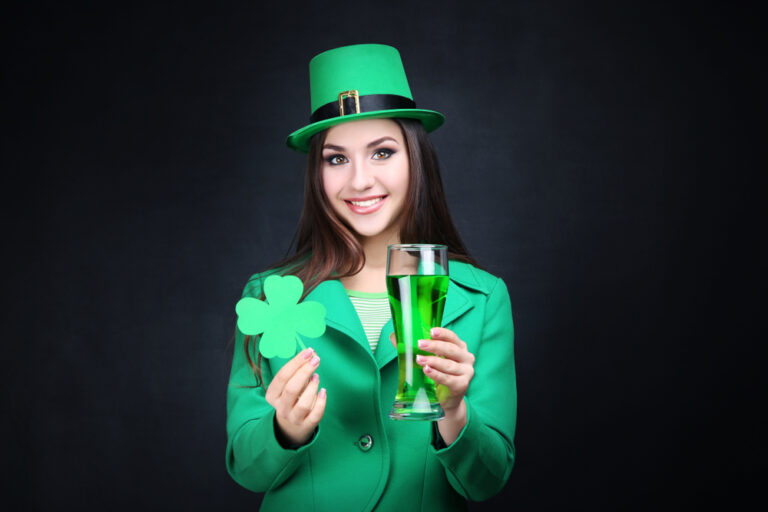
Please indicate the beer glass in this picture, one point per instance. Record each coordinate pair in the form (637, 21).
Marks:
(417, 283)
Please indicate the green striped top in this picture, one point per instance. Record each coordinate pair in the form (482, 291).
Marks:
(373, 310)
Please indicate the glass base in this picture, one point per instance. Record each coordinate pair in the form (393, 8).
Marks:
(415, 411)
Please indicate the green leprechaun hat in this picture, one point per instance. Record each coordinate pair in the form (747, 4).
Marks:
(361, 81)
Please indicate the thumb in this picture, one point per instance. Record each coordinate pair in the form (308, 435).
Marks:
(393, 339)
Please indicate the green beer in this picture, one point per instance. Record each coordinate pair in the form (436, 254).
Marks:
(417, 303)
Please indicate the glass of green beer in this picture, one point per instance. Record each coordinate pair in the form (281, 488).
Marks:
(417, 283)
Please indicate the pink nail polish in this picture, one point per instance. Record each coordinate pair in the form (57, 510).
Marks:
(419, 359)
(307, 353)
(322, 393)
(423, 343)
(315, 377)
(434, 332)
(315, 361)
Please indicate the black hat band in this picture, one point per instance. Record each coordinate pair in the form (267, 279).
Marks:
(351, 103)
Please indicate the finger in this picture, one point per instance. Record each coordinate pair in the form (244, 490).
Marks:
(444, 365)
(295, 386)
(304, 404)
(452, 382)
(445, 349)
(441, 333)
(318, 409)
(393, 339)
(275, 389)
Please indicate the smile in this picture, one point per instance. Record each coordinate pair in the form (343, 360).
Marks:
(368, 205)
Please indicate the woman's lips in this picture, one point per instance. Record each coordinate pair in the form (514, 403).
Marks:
(367, 205)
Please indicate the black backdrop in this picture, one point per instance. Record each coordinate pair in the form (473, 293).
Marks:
(597, 156)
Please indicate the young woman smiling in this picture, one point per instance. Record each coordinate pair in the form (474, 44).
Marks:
(373, 180)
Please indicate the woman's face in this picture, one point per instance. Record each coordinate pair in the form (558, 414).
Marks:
(365, 175)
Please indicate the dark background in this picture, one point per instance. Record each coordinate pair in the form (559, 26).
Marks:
(600, 157)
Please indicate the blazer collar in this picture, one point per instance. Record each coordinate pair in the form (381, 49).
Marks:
(341, 315)
(339, 311)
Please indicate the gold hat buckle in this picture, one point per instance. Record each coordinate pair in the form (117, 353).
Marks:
(347, 94)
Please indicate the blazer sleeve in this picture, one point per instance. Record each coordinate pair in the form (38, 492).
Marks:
(254, 457)
(479, 461)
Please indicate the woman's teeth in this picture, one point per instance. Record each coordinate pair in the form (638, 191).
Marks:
(369, 202)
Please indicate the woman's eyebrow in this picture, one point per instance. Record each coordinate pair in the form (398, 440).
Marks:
(379, 141)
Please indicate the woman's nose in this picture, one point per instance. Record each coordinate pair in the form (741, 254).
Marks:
(362, 176)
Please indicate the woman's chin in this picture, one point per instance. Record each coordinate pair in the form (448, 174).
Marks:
(373, 232)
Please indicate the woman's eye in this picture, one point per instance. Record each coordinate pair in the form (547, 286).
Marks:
(382, 154)
(336, 159)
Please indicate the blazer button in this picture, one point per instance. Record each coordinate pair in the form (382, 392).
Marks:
(365, 442)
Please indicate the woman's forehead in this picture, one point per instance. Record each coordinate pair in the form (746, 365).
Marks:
(362, 132)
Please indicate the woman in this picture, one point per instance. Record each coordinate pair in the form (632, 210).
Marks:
(312, 431)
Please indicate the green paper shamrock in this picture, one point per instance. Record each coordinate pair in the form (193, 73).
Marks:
(282, 319)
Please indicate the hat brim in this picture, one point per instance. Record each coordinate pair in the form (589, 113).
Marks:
(299, 140)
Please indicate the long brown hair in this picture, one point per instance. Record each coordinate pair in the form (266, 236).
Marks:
(326, 246)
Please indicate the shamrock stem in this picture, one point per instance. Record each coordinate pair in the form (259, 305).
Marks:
(301, 343)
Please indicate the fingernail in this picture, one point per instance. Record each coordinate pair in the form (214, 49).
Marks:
(315, 377)
(423, 343)
(322, 393)
(315, 361)
(419, 359)
(427, 369)
(307, 353)
(434, 331)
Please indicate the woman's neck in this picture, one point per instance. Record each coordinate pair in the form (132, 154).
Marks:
(372, 278)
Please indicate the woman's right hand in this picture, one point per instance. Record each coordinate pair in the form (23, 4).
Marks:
(299, 407)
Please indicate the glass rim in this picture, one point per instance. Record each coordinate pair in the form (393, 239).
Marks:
(416, 246)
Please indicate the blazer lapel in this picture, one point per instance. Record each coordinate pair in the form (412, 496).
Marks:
(340, 314)
(456, 303)
(385, 351)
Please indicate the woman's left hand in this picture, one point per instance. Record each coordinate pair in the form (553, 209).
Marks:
(451, 367)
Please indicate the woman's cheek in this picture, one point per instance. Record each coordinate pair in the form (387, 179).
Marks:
(330, 185)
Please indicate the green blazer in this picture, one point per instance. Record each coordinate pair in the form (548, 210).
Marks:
(360, 459)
